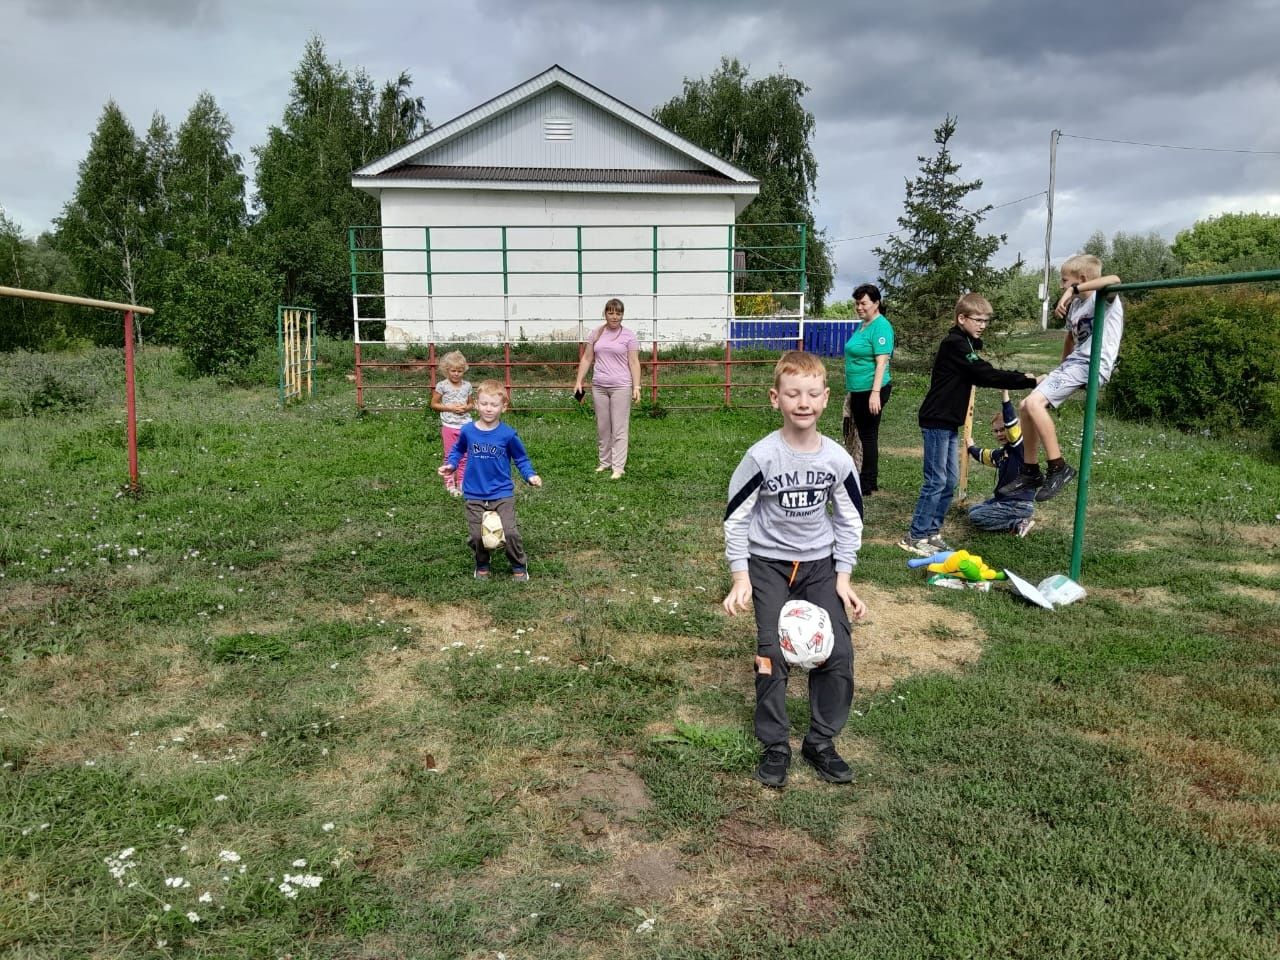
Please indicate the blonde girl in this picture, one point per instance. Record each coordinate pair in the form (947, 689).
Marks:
(454, 400)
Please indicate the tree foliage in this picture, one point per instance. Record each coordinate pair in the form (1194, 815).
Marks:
(1229, 243)
(937, 254)
(222, 310)
(335, 122)
(1193, 358)
(103, 228)
(762, 127)
(1134, 257)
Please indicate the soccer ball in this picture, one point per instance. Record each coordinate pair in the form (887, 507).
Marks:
(491, 532)
(805, 634)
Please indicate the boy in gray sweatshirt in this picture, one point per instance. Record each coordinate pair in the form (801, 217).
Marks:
(792, 531)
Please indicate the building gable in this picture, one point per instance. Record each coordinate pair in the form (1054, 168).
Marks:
(566, 124)
(559, 129)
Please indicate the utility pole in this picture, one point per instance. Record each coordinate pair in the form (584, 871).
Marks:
(1048, 229)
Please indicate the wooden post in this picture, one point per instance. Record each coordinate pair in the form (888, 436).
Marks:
(962, 491)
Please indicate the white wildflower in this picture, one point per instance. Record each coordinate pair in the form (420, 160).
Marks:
(229, 856)
(646, 926)
(193, 916)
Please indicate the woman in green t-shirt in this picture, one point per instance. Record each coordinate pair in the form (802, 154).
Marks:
(867, 378)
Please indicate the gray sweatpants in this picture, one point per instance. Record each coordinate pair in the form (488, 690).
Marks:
(506, 509)
(613, 424)
(773, 583)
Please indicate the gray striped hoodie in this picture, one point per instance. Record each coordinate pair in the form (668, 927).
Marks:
(789, 505)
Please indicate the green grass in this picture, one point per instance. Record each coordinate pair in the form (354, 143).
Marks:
(277, 651)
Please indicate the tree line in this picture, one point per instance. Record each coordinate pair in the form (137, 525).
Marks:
(164, 219)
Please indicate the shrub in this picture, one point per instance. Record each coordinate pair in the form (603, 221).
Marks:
(35, 383)
(222, 310)
(1191, 359)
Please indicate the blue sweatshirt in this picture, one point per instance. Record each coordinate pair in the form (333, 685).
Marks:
(489, 456)
(1006, 459)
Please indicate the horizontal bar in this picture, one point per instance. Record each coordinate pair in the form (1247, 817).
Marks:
(562, 226)
(78, 301)
(1257, 276)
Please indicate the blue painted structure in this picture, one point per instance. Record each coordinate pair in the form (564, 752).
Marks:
(823, 337)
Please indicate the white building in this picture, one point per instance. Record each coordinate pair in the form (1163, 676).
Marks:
(522, 216)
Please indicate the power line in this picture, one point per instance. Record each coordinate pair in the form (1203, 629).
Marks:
(889, 233)
(1172, 146)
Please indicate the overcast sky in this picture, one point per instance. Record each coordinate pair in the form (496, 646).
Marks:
(881, 77)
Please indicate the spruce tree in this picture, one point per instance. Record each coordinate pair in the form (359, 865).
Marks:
(937, 254)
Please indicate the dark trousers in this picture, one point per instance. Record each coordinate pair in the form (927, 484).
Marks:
(868, 426)
(506, 509)
(773, 583)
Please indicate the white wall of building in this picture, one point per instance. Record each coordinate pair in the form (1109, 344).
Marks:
(692, 302)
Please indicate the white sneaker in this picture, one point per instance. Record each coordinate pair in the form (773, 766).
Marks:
(1024, 527)
(921, 548)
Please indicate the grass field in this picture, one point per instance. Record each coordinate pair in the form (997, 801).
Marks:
(265, 711)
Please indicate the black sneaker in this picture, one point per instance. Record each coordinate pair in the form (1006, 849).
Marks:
(1023, 481)
(772, 771)
(1054, 482)
(827, 764)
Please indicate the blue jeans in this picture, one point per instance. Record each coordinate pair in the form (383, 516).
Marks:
(998, 516)
(941, 474)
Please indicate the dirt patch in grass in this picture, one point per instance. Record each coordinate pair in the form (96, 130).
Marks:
(1213, 781)
(1256, 569)
(1155, 598)
(390, 677)
(613, 794)
(1261, 594)
(914, 453)
(29, 596)
(1259, 535)
(902, 637)
(352, 784)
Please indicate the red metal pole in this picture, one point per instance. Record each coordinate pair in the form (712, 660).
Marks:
(131, 408)
(431, 363)
(506, 367)
(359, 381)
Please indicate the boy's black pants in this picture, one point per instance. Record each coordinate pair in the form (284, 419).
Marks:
(773, 583)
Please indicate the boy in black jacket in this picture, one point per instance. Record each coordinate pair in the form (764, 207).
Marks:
(956, 368)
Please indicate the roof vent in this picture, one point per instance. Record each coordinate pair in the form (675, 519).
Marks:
(557, 128)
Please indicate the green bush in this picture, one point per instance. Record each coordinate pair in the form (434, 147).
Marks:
(1192, 359)
(223, 311)
(35, 383)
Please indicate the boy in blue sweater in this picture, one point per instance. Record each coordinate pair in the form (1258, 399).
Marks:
(1001, 512)
(490, 447)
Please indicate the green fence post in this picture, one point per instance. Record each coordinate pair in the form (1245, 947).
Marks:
(280, 347)
(1090, 419)
(427, 230)
(655, 259)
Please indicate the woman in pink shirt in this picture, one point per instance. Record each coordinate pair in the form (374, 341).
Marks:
(615, 385)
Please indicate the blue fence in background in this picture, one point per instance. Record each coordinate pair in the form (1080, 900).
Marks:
(823, 337)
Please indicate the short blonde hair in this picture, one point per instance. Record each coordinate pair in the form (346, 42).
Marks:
(798, 363)
(493, 388)
(971, 303)
(453, 358)
(1083, 265)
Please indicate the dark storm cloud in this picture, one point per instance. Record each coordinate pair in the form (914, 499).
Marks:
(881, 78)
